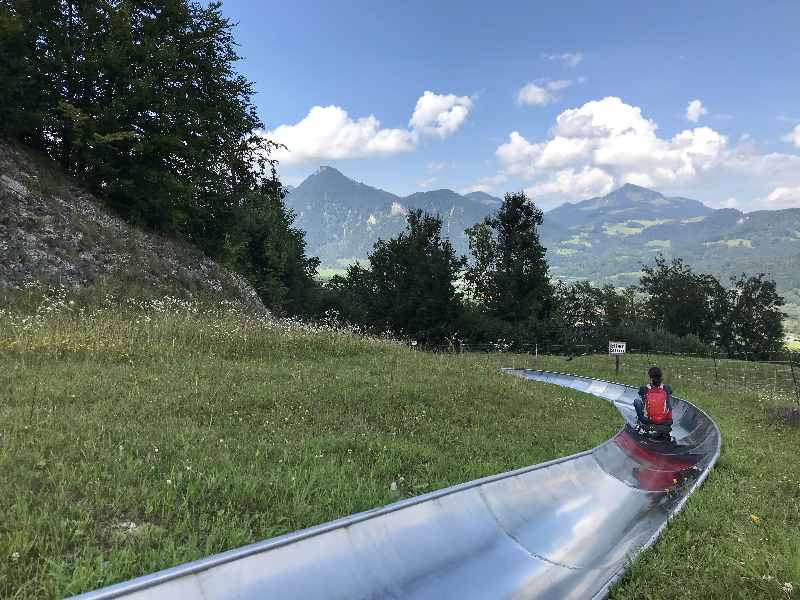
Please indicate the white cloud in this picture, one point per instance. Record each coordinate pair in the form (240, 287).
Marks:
(695, 110)
(436, 167)
(518, 156)
(589, 181)
(779, 198)
(541, 92)
(606, 143)
(440, 115)
(783, 197)
(328, 133)
(568, 59)
(603, 118)
(793, 137)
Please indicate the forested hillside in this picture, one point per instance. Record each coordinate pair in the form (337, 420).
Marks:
(343, 218)
(141, 103)
(606, 240)
(609, 238)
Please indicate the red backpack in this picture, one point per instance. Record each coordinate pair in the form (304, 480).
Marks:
(655, 405)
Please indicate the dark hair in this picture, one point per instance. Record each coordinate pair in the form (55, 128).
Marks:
(654, 373)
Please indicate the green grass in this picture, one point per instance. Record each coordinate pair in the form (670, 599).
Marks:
(732, 243)
(565, 251)
(713, 549)
(651, 222)
(209, 432)
(622, 229)
(324, 274)
(579, 240)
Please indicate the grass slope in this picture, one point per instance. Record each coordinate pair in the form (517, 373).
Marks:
(134, 441)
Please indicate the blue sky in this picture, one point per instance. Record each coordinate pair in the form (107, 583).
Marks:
(565, 100)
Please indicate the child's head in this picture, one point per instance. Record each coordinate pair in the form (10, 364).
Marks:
(655, 375)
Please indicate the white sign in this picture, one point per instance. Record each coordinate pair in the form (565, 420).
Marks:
(616, 347)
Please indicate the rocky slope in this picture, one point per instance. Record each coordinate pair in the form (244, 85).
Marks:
(53, 233)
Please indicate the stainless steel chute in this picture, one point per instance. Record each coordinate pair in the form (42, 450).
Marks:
(567, 528)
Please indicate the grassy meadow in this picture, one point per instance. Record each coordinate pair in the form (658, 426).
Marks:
(133, 440)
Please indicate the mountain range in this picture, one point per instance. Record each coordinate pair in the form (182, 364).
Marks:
(343, 218)
(605, 239)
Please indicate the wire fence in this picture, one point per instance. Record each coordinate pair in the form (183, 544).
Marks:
(779, 376)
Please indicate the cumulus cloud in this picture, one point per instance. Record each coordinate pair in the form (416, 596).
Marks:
(588, 181)
(605, 143)
(329, 133)
(615, 138)
(793, 137)
(440, 114)
(783, 197)
(779, 198)
(568, 59)
(518, 156)
(541, 92)
(695, 110)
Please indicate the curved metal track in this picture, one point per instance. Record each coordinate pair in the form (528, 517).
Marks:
(562, 529)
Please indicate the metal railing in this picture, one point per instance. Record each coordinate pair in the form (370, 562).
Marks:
(779, 376)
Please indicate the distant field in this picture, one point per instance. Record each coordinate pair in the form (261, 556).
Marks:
(134, 442)
(324, 274)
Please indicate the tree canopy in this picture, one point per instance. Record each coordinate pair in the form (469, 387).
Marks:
(508, 277)
(141, 101)
(409, 287)
(682, 301)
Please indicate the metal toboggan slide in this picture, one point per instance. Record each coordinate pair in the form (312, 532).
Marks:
(567, 528)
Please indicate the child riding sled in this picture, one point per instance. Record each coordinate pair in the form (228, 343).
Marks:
(654, 406)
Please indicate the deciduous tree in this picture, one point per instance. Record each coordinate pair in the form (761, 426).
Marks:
(508, 275)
